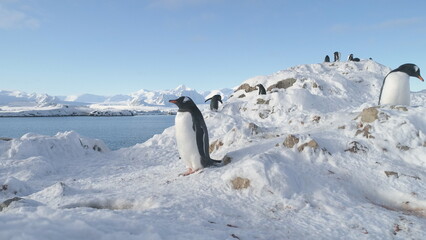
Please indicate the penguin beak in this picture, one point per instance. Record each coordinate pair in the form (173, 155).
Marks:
(173, 101)
(421, 79)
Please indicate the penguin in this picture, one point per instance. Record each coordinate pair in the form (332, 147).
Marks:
(351, 58)
(396, 85)
(214, 103)
(262, 90)
(192, 136)
(336, 56)
(327, 58)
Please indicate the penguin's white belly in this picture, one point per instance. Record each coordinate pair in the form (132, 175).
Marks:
(187, 141)
(396, 90)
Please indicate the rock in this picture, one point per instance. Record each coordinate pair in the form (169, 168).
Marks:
(365, 132)
(316, 119)
(286, 83)
(247, 88)
(400, 108)
(312, 144)
(262, 101)
(240, 183)
(254, 128)
(402, 147)
(6, 203)
(369, 115)
(97, 148)
(242, 95)
(290, 141)
(264, 114)
(355, 147)
(215, 145)
(5, 139)
(226, 159)
(391, 173)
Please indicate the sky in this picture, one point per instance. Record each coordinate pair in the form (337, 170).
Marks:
(109, 47)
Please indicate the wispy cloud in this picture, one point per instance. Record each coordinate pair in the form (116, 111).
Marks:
(384, 25)
(13, 18)
(396, 23)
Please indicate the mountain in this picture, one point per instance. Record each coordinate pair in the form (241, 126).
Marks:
(19, 99)
(17, 103)
(161, 98)
(314, 158)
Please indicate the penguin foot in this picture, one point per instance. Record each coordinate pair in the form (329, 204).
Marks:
(190, 171)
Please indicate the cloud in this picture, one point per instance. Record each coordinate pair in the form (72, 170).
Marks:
(396, 23)
(173, 4)
(384, 25)
(13, 19)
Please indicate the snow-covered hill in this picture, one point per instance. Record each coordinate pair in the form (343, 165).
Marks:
(315, 158)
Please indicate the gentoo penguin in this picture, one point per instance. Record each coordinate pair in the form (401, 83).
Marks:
(191, 136)
(351, 58)
(327, 58)
(262, 90)
(336, 56)
(396, 85)
(214, 103)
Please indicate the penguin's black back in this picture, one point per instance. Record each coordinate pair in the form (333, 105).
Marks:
(262, 90)
(327, 58)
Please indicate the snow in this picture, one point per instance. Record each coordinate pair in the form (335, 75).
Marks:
(20, 104)
(317, 160)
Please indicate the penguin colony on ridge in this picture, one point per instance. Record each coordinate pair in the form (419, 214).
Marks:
(396, 85)
(192, 137)
(214, 102)
(191, 130)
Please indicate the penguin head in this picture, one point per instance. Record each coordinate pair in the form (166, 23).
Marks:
(184, 103)
(218, 97)
(410, 69)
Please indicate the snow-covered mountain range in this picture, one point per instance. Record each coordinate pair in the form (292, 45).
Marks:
(15, 103)
(314, 158)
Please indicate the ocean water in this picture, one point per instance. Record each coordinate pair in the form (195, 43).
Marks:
(116, 132)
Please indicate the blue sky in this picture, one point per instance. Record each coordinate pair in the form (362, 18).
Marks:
(111, 47)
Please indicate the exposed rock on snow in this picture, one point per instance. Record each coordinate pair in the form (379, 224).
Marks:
(240, 183)
(246, 87)
(283, 84)
(312, 144)
(359, 188)
(369, 115)
(6, 203)
(291, 141)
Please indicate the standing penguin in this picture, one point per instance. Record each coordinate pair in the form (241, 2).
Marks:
(191, 136)
(396, 85)
(327, 58)
(336, 56)
(214, 103)
(262, 90)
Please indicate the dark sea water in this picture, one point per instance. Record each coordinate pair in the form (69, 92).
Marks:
(116, 132)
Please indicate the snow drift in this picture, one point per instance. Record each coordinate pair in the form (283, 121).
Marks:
(315, 158)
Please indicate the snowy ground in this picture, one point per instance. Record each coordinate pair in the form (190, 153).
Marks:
(305, 164)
